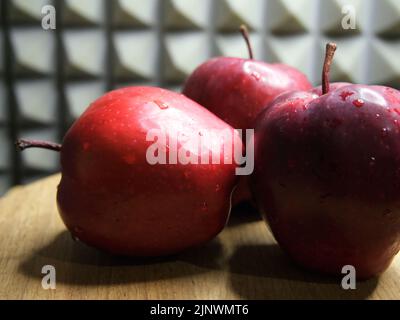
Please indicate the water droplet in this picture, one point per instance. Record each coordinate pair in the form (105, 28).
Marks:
(204, 206)
(161, 104)
(384, 132)
(345, 94)
(256, 75)
(218, 187)
(372, 162)
(358, 103)
(377, 115)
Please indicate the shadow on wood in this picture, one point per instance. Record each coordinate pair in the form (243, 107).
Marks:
(270, 274)
(79, 264)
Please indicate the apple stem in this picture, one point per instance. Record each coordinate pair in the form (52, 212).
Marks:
(245, 33)
(329, 53)
(23, 144)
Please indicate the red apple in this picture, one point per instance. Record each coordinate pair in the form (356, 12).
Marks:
(327, 175)
(237, 90)
(112, 198)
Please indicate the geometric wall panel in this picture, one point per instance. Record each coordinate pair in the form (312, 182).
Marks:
(5, 183)
(81, 94)
(33, 51)
(281, 50)
(386, 20)
(183, 53)
(36, 101)
(186, 14)
(1, 53)
(83, 12)
(135, 55)
(134, 13)
(287, 16)
(385, 66)
(233, 45)
(5, 150)
(84, 52)
(24, 11)
(3, 106)
(232, 13)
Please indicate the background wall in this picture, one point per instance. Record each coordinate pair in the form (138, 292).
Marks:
(47, 78)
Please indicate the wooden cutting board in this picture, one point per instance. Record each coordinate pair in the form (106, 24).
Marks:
(243, 262)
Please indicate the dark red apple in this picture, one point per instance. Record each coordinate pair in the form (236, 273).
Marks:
(112, 198)
(237, 90)
(327, 175)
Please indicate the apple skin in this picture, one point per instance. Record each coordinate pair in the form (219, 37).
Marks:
(111, 198)
(237, 90)
(327, 177)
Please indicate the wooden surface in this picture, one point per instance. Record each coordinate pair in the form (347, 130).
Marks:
(243, 262)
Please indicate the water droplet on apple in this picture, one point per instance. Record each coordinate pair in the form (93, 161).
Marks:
(384, 132)
(256, 75)
(345, 94)
(218, 187)
(204, 206)
(161, 104)
(372, 162)
(358, 103)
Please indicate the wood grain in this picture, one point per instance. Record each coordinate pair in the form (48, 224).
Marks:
(243, 262)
